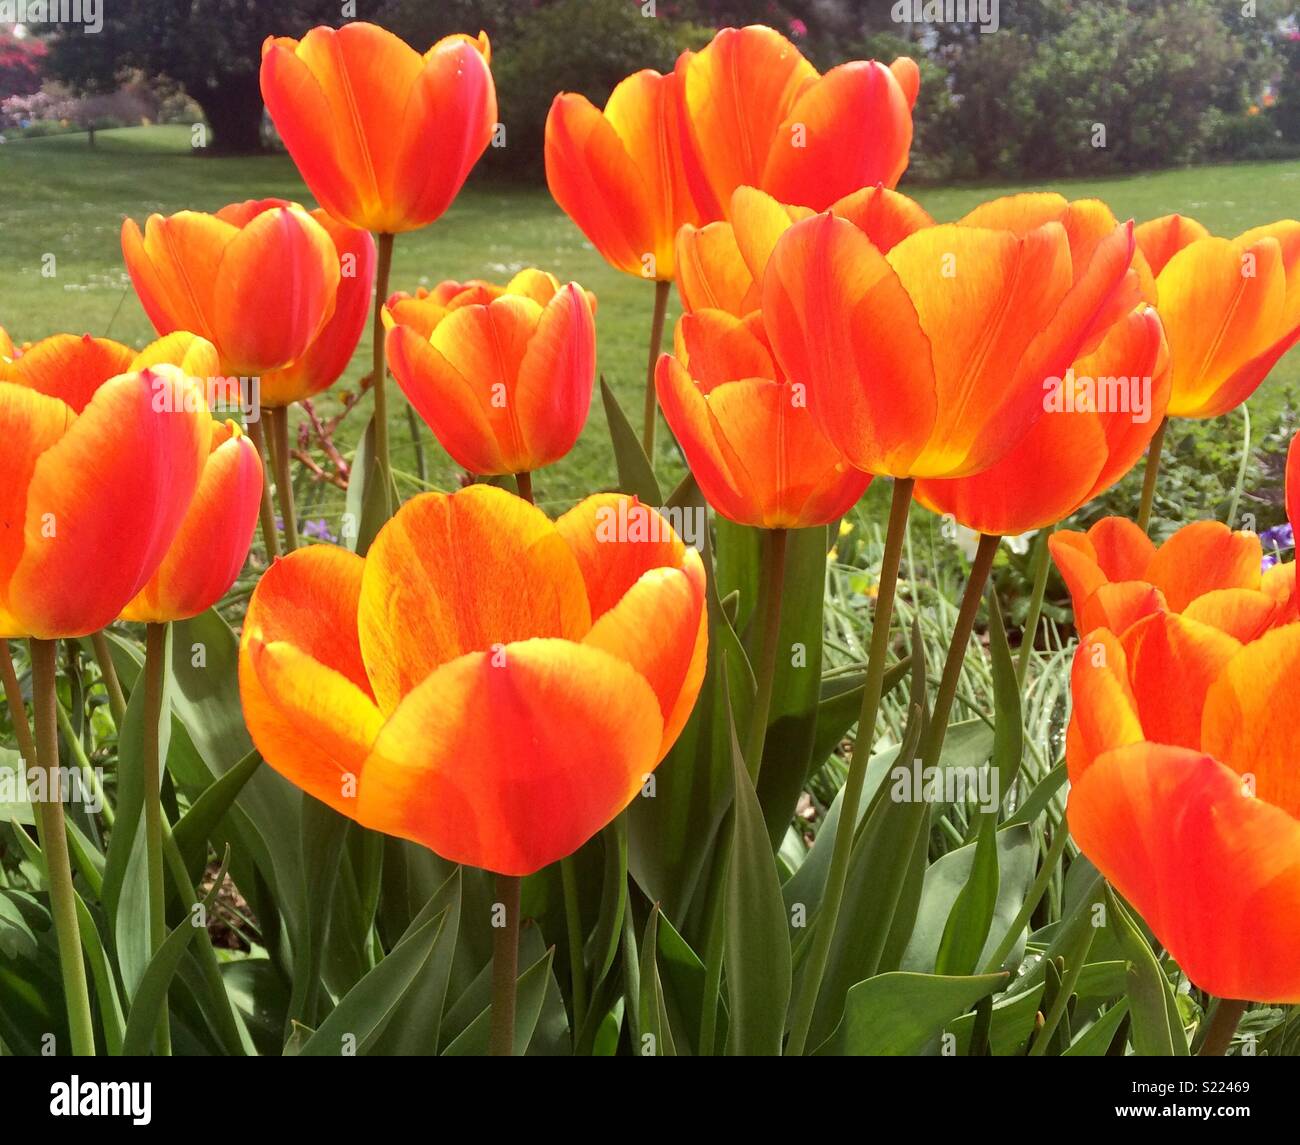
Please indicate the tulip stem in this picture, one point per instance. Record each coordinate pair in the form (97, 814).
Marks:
(656, 343)
(1149, 477)
(505, 966)
(573, 926)
(52, 833)
(270, 537)
(771, 638)
(524, 483)
(837, 876)
(155, 665)
(17, 710)
(108, 670)
(279, 418)
(1223, 1027)
(379, 369)
(1042, 564)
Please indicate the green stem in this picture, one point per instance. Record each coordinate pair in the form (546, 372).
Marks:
(1069, 980)
(270, 537)
(413, 424)
(937, 729)
(1042, 565)
(656, 343)
(716, 941)
(573, 925)
(379, 368)
(771, 637)
(17, 710)
(88, 771)
(108, 670)
(1149, 477)
(505, 968)
(837, 876)
(1223, 1027)
(155, 665)
(54, 844)
(279, 418)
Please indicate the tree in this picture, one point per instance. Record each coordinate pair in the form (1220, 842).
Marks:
(21, 62)
(213, 48)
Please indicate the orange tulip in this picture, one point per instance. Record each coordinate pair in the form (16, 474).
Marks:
(505, 384)
(383, 136)
(1231, 307)
(758, 114)
(6, 345)
(930, 361)
(212, 543)
(500, 719)
(102, 456)
(211, 275)
(746, 432)
(1184, 796)
(618, 174)
(323, 362)
(1117, 576)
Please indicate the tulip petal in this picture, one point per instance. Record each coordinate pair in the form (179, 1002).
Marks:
(512, 764)
(1104, 713)
(556, 374)
(711, 272)
(1215, 873)
(884, 216)
(174, 267)
(1118, 605)
(445, 577)
(68, 367)
(1160, 239)
(1242, 613)
(1202, 556)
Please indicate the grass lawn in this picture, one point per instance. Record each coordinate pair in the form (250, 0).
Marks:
(66, 200)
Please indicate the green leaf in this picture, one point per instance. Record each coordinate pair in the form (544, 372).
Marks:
(757, 953)
(1096, 1039)
(896, 1014)
(967, 928)
(323, 831)
(146, 1003)
(1008, 725)
(532, 988)
(1157, 1028)
(840, 703)
(197, 824)
(363, 1014)
(635, 473)
(1041, 796)
(370, 503)
(656, 1033)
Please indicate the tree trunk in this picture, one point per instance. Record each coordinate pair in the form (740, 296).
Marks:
(233, 108)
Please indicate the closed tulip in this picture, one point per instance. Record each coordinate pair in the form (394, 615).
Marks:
(383, 136)
(259, 284)
(102, 457)
(500, 719)
(1184, 796)
(618, 174)
(1205, 571)
(1231, 307)
(929, 361)
(504, 384)
(212, 543)
(747, 434)
(758, 114)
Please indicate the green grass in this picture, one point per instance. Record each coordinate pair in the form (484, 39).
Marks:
(64, 199)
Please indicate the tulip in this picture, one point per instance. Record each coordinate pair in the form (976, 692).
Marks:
(618, 173)
(1205, 571)
(7, 350)
(208, 274)
(79, 416)
(212, 544)
(383, 136)
(749, 439)
(505, 384)
(1231, 308)
(1182, 798)
(758, 114)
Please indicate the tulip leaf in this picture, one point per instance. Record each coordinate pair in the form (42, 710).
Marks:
(898, 1013)
(656, 1038)
(757, 953)
(197, 824)
(1008, 719)
(147, 1002)
(602, 946)
(531, 992)
(1040, 797)
(840, 702)
(1157, 1030)
(636, 474)
(322, 835)
(370, 501)
(1096, 1039)
(968, 923)
(796, 691)
(683, 977)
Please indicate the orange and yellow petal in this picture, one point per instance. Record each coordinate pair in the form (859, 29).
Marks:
(1160, 239)
(511, 762)
(886, 217)
(68, 367)
(1104, 711)
(1203, 556)
(443, 578)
